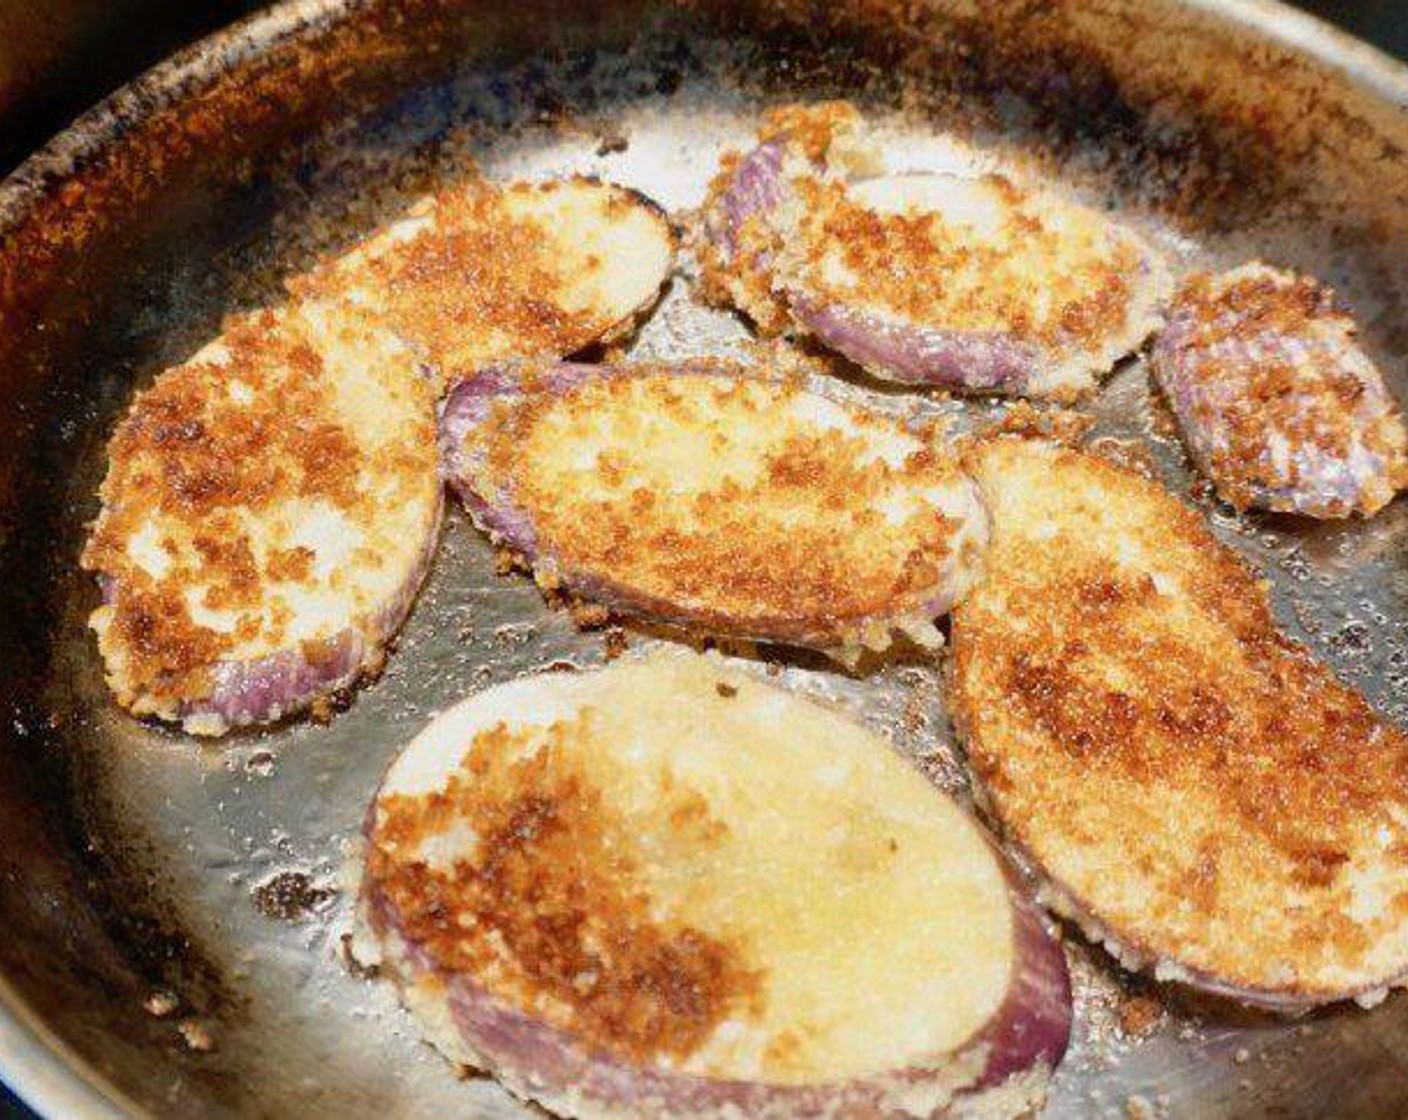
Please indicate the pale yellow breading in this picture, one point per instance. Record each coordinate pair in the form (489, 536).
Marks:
(751, 505)
(1196, 787)
(685, 868)
(480, 272)
(271, 492)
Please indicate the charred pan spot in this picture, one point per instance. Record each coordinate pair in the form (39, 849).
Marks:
(291, 896)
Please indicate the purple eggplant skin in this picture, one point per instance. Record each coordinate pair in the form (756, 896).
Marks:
(240, 497)
(754, 190)
(739, 243)
(793, 139)
(976, 330)
(931, 355)
(1016, 1051)
(1277, 404)
(292, 680)
(470, 404)
(977, 362)
(969, 361)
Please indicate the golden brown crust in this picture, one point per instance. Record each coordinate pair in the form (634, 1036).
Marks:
(1194, 781)
(658, 862)
(475, 271)
(1059, 285)
(489, 272)
(550, 905)
(720, 494)
(204, 473)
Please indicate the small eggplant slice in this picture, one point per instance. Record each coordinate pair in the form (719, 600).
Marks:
(1196, 791)
(741, 214)
(707, 496)
(269, 510)
(1278, 405)
(479, 272)
(668, 889)
(968, 284)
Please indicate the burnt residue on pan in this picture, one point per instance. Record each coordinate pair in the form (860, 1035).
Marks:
(168, 907)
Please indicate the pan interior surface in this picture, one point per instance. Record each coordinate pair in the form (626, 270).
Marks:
(179, 910)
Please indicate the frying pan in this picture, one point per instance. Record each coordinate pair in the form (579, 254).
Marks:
(171, 915)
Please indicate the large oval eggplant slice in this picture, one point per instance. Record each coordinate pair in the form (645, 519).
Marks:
(706, 496)
(479, 272)
(667, 889)
(973, 284)
(1279, 406)
(1198, 792)
(269, 510)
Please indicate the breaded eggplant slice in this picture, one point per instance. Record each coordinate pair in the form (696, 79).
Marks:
(741, 238)
(706, 495)
(668, 889)
(1198, 793)
(269, 510)
(968, 284)
(1278, 405)
(478, 272)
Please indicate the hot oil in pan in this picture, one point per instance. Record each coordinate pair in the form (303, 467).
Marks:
(242, 847)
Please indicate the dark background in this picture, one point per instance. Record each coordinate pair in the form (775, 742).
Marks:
(58, 57)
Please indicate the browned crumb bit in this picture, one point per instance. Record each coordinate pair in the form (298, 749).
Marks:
(550, 907)
(1202, 489)
(196, 1036)
(614, 643)
(1139, 1014)
(1063, 425)
(812, 127)
(356, 968)
(160, 1003)
(1138, 1108)
(612, 143)
(589, 616)
(322, 709)
(506, 562)
(726, 690)
(1162, 421)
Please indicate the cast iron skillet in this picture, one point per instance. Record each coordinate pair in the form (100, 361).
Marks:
(170, 916)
